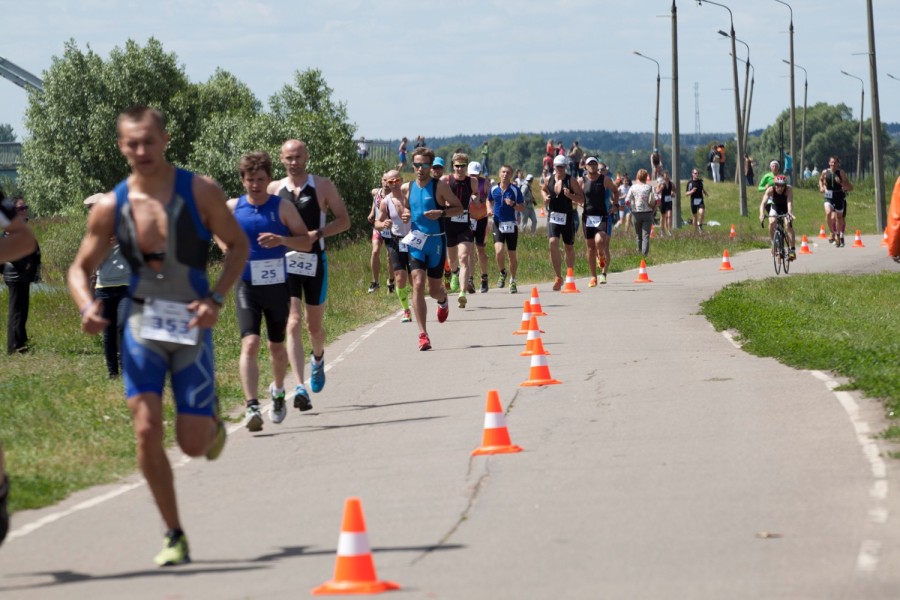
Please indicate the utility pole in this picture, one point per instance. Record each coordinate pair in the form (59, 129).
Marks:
(793, 103)
(877, 166)
(676, 135)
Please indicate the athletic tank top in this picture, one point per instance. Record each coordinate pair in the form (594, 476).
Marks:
(183, 275)
(307, 203)
(420, 200)
(560, 204)
(255, 220)
(695, 188)
(595, 197)
(399, 229)
(462, 190)
(479, 210)
(779, 201)
(837, 192)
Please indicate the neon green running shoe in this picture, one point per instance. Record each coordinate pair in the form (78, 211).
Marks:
(454, 283)
(174, 552)
(218, 443)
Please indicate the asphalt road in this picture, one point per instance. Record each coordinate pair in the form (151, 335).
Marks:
(668, 464)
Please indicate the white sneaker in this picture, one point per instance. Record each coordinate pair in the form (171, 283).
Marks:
(253, 421)
(278, 411)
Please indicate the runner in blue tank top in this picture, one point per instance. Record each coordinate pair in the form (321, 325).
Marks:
(425, 202)
(272, 226)
(163, 218)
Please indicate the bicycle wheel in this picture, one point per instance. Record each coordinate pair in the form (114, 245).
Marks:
(785, 259)
(778, 249)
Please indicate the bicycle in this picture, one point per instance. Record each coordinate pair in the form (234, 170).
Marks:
(780, 252)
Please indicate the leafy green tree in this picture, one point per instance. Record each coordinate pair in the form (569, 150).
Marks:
(6, 133)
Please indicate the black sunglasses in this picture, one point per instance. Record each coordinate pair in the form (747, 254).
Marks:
(421, 165)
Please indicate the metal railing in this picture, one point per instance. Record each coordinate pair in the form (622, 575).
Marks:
(10, 155)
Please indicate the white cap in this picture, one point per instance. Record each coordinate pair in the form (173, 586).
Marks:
(474, 168)
(560, 161)
(529, 177)
(591, 159)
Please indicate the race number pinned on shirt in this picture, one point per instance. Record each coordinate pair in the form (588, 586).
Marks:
(385, 233)
(166, 321)
(558, 218)
(473, 224)
(667, 198)
(415, 239)
(507, 227)
(302, 263)
(593, 221)
(463, 218)
(267, 272)
(697, 201)
(829, 194)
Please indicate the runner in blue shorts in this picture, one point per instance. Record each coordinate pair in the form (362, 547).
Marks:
(600, 199)
(172, 306)
(507, 201)
(426, 201)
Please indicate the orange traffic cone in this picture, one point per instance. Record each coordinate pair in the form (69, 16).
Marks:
(536, 309)
(726, 263)
(569, 287)
(543, 214)
(539, 373)
(495, 439)
(857, 242)
(822, 232)
(533, 344)
(884, 240)
(642, 274)
(354, 571)
(526, 318)
(733, 234)
(804, 246)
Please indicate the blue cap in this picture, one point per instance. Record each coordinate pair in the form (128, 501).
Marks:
(438, 162)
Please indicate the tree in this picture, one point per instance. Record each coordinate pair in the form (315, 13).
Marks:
(6, 133)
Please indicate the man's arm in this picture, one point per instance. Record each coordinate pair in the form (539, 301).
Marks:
(577, 193)
(218, 219)
(94, 246)
(448, 198)
(299, 239)
(790, 201)
(335, 204)
(846, 184)
(274, 186)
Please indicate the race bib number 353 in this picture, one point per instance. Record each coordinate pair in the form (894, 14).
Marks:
(166, 321)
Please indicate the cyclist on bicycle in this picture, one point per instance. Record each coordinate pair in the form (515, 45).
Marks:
(779, 198)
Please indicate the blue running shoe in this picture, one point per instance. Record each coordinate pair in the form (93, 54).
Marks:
(301, 399)
(317, 374)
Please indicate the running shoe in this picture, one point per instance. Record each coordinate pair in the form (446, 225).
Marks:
(316, 374)
(4, 513)
(175, 551)
(484, 284)
(592, 282)
(301, 399)
(462, 300)
(215, 450)
(512, 288)
(792, 254)
(470, 286)
(253, 420)
(279, 410)
(407, 316)
(602, 278)
(557, 284)
(841, 242)
(372, 287)
(391, 286)
(454, 283)
(424, 342)
(501, 282)
(831, 239)
(443, 312)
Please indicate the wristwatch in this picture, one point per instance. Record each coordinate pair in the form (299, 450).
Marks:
(217, 298)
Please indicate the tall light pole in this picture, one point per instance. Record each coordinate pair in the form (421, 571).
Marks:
(676, 133)
(793, 103)
(803, 126)
(746, 95)
(862, 105)
(877, 171)
(656, 118)
(749, 102)
(739, 159)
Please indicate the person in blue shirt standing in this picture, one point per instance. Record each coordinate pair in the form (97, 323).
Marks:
(507, 200)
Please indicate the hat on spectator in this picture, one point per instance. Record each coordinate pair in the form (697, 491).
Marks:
(775, 163)
(474, 168)
(590, 160)
(529, 177)
(560, 161)
(438, 162)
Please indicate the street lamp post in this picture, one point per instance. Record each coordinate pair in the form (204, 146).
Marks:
(739, 159)
(862, 105)
(656, 118)
(793, 103)
(877, 170)
(676, 134)
(803, 126)
(749, 103)
(746, 95)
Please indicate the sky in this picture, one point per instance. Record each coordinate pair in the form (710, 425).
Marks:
(440, 68)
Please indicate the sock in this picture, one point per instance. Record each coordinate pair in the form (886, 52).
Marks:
(456, 271)
(443, 304)
(484, 276)
(403, 295)
(253, 402)
(175, 534)
(318, 360)
(512, 279)
(503, 272)
(279, 390)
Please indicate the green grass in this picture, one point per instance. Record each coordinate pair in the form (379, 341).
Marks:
(840, 323)
(66, 427)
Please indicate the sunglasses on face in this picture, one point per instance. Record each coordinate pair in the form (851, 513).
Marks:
(421, 165)
(462, 166)
(22, 208)
(438, 167)
(394, 181)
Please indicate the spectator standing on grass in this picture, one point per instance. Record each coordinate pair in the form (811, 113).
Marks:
(893, 224)
(713, 160)
(485, 164)
(656, 167)
(401, 154)
(576, 155)
(111, 287)
(643, 204)
(362, 149)
(18, 276)
(748, 169)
